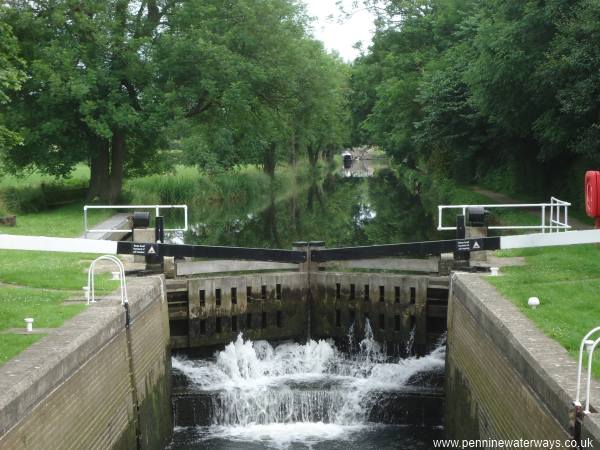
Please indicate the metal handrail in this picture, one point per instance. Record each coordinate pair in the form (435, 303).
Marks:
(91, 288)
(157, 209)
(590, 345)
(589, 375)
(558, 217)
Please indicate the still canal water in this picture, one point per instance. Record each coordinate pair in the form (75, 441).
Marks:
(341, 208)
(311, 395)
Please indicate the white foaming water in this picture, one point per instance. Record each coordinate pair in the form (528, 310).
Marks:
(411, 341)
(282, 435)
(299, 393)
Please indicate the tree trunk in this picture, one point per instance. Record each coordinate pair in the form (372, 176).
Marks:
(106, 170)
(99, 173)
(294, 147)
(116, 167)
(270, 160)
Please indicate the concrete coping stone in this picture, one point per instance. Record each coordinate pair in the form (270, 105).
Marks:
(591, 426)
(30, 376)
(549, 370)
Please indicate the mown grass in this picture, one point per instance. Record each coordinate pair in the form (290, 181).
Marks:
(46, 270)
(36, 192)
(81, 172)
(18, 303)
(567, 282)
(65, 221)
(13, 344)
(37, 284)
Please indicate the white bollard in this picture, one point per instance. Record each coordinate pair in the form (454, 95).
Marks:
(533, 302)
(494, 271)
(116, 276)
(588, 345)
(29, 324)
(86, 293)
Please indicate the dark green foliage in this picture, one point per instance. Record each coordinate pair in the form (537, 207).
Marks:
(39, 197)
(503, 93)
(11, 77)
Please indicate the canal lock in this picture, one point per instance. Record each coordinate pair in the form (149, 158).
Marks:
(327, 348)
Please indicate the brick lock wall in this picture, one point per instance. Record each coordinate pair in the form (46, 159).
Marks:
(487, 393)
(93, 406)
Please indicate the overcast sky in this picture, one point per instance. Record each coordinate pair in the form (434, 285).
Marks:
(341, 36)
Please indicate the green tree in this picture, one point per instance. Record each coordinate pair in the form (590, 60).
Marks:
(320, 117)
(113, 83)
(572, 70)
(229, 74)
(11, 78)
(249, 83)
(89, 95)
(500, 93)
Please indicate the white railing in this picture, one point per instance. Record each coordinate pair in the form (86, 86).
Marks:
(91, 287)
(589, 345)
(156, 208)
(554, 216)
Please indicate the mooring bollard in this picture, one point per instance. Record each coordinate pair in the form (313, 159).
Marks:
(86, 293)
(29, 324)
(533, 302)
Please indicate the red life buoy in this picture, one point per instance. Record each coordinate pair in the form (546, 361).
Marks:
(592, 193)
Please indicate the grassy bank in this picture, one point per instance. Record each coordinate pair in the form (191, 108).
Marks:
(38, 284)
(190, 185)
(566, 279)
(65, 221)
(567, 282)
(35, 192)
(436, 191)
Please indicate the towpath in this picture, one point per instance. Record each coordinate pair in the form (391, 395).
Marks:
(117, 222)
(502, 198)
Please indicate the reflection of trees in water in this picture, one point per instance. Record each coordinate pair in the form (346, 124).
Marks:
(269, 218)
(400, 214)
(340, 211)
(314, 193)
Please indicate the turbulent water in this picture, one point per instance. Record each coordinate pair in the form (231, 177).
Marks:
(299, 396)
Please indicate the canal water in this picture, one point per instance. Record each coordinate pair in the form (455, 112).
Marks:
(261, 395)
(340, 208)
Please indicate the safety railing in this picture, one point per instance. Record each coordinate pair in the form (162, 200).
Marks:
(91, 288)
(156, 208)
(589, 345)
(554, 216)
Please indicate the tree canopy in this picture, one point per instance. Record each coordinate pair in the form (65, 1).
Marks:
(11, 77)
(118, 84)
(503, 92)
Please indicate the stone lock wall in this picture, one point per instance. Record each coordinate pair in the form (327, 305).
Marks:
(394, 305)
(95, 384)
(210, 311)
(504, 378)
(262, 306)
